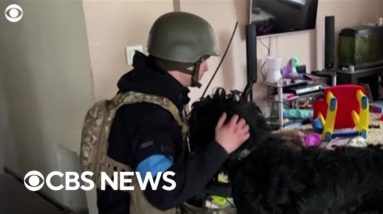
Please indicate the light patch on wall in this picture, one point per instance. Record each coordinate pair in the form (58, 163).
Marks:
(130, 51)
(69, 161)
(2, 120)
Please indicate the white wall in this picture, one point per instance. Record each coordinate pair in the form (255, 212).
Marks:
(2, 110)
(122, 23)
(47, 89)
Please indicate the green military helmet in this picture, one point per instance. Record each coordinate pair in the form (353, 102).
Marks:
(182, 37)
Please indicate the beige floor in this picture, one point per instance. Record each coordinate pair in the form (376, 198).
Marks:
(16, 199)
(374, 136)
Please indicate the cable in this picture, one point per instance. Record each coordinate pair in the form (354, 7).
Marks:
(260, 71)
(278, 46)
(223, 57)
(248, 88)
(260, 40)
(268, 48)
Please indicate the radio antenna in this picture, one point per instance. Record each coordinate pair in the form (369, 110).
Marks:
(223, 57)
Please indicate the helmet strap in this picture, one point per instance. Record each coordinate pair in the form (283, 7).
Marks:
(195, 75)
(194, 71)
(188, 68)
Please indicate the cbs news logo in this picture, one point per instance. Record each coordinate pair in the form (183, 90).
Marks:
(13, 13)
(34, 180)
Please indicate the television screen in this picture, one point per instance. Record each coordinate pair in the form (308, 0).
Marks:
(281, 16)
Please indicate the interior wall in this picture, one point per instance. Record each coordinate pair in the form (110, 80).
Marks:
(47, 89)
(2, 110)
(122, 24)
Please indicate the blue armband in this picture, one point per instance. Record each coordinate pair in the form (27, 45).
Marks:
(154, 164)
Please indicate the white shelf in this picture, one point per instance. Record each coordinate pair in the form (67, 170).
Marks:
(279, 120)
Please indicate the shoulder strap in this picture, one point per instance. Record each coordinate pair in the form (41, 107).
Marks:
(132, 97)
(138, 97)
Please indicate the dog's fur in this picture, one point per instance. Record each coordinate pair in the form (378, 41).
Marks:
(271, 175)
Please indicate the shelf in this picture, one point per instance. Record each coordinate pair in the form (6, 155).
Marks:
(368, 75)
(311, 94)
(278, 121)
(297, 97)
(363, 71)
(325, 73)
(287, 123)
(279, 84)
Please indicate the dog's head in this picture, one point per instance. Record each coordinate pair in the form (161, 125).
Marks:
(206, 112)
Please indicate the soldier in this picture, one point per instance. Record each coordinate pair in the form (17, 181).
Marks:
(147, 137)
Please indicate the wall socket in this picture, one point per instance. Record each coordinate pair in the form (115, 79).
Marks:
(130, 51)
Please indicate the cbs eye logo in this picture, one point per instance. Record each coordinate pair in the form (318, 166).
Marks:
(13, 13)
(34, 180)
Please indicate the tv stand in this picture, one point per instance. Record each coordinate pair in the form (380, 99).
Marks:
(329, 73)
(366, 75)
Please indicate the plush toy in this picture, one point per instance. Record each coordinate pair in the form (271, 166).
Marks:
(290, 69)
(311, 140)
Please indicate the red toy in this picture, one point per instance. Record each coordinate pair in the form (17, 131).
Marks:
(347, 106)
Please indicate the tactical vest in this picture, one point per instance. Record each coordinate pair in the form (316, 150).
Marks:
(94, 142)
(94, 147)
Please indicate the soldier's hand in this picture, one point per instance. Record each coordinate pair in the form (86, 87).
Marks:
(232, 134)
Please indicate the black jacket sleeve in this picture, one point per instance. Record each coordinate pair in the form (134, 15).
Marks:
(191, 177)
(156, 132)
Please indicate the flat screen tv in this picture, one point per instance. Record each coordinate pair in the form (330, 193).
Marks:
(281, 16)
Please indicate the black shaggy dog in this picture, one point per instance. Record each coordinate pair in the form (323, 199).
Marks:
(271, 175)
